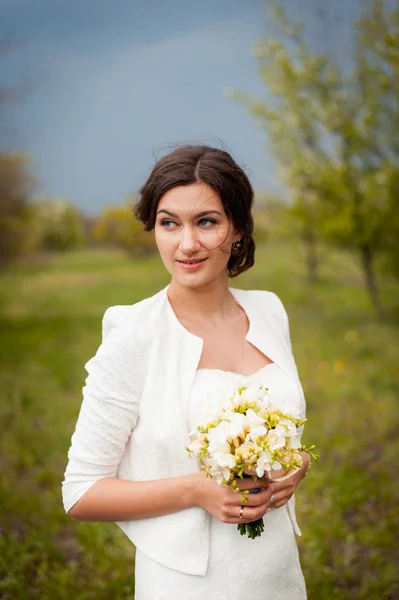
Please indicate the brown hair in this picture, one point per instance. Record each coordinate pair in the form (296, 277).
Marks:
(198, 163)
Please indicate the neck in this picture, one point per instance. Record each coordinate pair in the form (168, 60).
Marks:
(212, 302)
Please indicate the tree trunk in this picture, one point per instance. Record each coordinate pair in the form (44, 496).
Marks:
(367, 259)
(311, 257)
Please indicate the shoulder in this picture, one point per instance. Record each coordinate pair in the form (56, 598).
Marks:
(128, 321)
(263, 300)
(125, 338)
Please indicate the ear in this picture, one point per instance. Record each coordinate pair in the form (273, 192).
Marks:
(237, 236)
(238, 233)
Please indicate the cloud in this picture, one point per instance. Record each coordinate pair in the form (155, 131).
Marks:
(105, 109)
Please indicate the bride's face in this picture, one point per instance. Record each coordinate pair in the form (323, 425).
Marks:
(191, 225)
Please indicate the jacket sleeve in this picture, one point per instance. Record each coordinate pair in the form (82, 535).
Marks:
(109, 410)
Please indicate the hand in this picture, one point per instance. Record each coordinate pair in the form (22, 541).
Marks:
(225, 504)
(283, 490)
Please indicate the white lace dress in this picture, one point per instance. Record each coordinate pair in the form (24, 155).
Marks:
(239, 568)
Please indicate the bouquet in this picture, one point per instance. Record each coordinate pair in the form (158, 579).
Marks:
(247, 436)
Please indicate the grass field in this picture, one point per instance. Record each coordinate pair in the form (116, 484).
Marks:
(50, 320)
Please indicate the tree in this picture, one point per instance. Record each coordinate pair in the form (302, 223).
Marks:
(117, 227)
(291, 121)
(60, 225)
(16, 186)
(333, 133)
(16, 181)
(378, 54)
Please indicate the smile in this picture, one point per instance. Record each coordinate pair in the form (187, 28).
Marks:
(192, 262)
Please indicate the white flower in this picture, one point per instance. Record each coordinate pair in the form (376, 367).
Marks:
(216, 402)
(215, 472)
(196, 445)
(256, 432)
(197, 442)
(235, 424)
(236, 400)
(248, 452)
(276, 437)
(225, 460)
(252, 394)
(264, 403)
(263, 463)
(276, 466)
(290, 427)
(220, 465)
(253, 419)
(294, 442)
(217, 437)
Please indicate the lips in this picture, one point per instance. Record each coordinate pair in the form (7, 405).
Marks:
(192, 261)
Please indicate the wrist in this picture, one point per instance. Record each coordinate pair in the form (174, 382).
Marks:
(192, 489)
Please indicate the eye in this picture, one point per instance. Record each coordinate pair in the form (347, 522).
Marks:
(167, 223)
(211, 221)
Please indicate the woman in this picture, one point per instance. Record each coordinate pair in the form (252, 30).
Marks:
(147, 384)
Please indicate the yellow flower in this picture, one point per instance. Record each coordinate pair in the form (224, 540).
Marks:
(339, 366)
(351, 336)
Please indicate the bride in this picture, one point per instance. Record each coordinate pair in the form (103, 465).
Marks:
(148, 382)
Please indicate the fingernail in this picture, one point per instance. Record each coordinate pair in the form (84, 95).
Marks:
(268, 510)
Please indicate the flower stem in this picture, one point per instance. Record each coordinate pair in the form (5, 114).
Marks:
(255, 528)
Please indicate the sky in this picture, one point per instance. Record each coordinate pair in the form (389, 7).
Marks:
(113, 84)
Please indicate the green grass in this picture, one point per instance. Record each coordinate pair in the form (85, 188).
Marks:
(50, 322)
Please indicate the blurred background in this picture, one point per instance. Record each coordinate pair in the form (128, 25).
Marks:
(305, 95)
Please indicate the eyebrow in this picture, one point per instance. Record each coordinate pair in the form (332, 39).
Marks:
(200, 214)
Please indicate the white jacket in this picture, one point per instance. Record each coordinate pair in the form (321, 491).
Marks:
(132, 423)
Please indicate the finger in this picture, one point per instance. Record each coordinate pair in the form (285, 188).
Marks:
(280, 504)
(236, 498)
(276, 499)
(249, 514)
(249, 484)
(279, 486)
(258, 499)
(253, 513)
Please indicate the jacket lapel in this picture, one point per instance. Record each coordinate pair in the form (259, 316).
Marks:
(265, 332)
(184, 349)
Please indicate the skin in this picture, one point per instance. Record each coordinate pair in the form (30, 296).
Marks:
(204, 305)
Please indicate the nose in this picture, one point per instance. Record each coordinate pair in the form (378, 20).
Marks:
(189, 242)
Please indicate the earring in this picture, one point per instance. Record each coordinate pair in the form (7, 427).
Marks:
(235, 248)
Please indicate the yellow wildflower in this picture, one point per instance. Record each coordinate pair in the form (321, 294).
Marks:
(339, 366)
(351, 336)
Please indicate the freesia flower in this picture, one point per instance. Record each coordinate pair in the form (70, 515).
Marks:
(248, 452)
(235, 424)
(294, 442)
(220, 465)
(276, 437)
(257, 432)
(252, 394)
(290, 427)
(276, 466)
(253, 419)
(264, 463)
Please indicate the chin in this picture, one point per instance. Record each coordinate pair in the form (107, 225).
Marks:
(191, 282)
(200, 280)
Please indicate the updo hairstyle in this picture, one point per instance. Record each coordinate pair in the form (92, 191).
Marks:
(194, 164)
